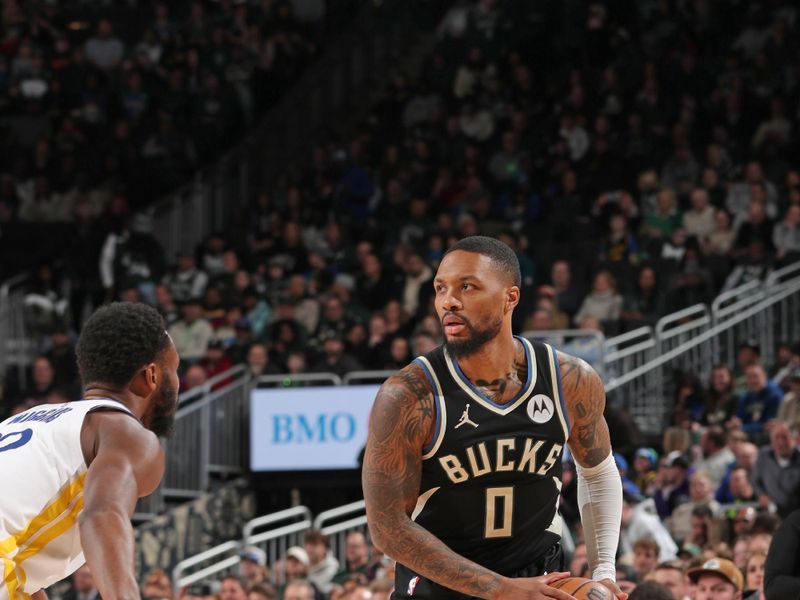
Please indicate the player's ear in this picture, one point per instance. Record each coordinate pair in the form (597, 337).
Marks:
(512, 297)
(146, 380)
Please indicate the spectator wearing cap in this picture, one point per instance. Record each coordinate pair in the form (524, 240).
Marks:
(644, 465)
(675, 486)
(186, 280)
(759, 404)
(777, 473)
(253, 566)
(789, 411)
(782, 569)
(192, 333)
(295, 569)
(717, 579)
(323, 566)
(716, 455)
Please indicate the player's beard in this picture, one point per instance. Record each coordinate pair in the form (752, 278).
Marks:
(165, 403)
(477, 338)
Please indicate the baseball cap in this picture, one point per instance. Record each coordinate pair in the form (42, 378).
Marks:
(719, 566)
(254, 554)
(649, 454)
(299, 554)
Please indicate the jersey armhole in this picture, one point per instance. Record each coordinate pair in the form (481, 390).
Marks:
(102, 408)
(429, 449)
(561, 400)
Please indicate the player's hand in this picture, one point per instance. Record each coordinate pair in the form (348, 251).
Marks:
(620, 595)
(532, 588)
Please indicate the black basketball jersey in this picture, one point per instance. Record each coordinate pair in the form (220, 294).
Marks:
(491, 477)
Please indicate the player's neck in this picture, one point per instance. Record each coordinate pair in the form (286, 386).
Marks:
(126, 397)
(495, 360)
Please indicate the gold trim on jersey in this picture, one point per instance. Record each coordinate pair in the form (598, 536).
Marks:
(439, 398)
(551, 352)
(504, 410)
(53, 520)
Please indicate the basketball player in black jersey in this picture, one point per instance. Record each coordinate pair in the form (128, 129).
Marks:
(462, 471)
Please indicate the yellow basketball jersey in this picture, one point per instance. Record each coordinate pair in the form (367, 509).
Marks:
(43, 470)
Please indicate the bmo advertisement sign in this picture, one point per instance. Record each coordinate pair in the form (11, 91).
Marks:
(313, 428)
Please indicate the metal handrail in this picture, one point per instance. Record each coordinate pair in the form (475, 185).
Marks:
(612, 346)
(331, 378)
(367, 375)
(781, 275)
(743, 290)
(179, 581)
(661, 330)
(334, 513)
(206, 388)
(786, 291)
(253, 524)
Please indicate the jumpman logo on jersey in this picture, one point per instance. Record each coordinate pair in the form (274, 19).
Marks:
(465, 420)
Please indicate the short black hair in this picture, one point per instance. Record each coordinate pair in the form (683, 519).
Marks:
(118, 340)
(500, 253)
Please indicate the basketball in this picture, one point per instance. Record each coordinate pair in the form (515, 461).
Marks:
(583, 589)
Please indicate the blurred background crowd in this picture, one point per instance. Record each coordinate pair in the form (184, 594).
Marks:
(640, 157)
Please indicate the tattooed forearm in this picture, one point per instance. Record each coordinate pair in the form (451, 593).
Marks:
(401, 424)
(585, 398)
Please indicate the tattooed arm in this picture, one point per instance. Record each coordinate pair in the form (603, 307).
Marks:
(401, 424)
(599, 484)
(585, 397)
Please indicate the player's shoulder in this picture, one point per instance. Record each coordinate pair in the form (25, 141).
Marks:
(573, 366)
(120, 431)
(408, 384)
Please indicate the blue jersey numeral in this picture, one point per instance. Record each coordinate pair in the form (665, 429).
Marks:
(15, 439)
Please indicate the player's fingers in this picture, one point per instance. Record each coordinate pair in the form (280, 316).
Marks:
(615, 589)
(557, 594)
(553, 577)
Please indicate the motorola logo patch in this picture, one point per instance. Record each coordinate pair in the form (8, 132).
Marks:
(540, 409)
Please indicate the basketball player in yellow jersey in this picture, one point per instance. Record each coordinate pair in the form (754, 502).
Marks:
(72, 473)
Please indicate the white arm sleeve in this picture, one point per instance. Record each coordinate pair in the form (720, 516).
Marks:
(600, 503)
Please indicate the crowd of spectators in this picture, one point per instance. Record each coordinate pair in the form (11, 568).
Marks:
(106, 107)
(639, 158)
(649, 168)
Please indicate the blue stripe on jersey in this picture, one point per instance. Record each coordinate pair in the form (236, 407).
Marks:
(430, 446)
(561, 391)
